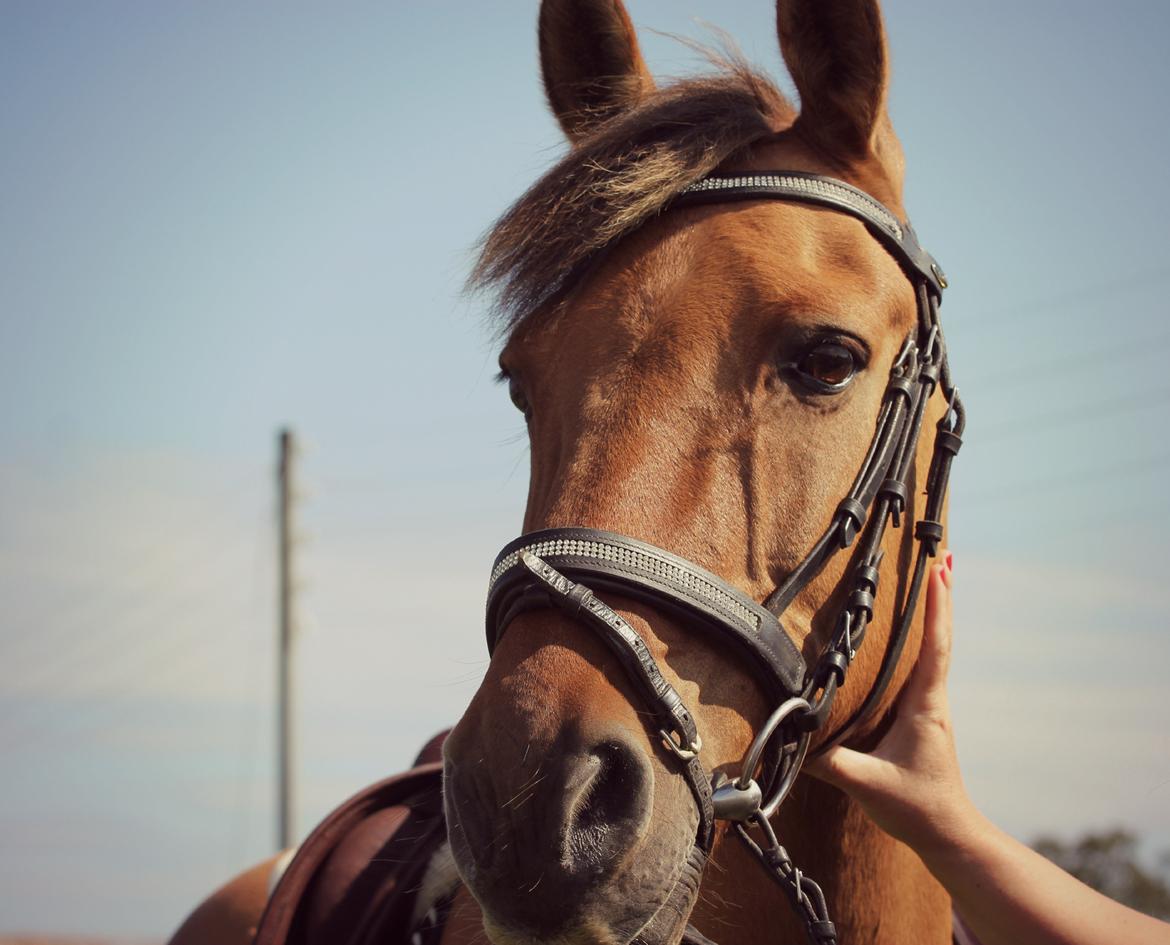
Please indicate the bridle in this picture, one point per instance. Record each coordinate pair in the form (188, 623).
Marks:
(548, 568)
(563, 567)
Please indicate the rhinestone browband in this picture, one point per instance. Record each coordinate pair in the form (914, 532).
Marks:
(809, 186)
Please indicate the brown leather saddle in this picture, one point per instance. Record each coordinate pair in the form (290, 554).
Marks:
(371, 872)
(360, 878)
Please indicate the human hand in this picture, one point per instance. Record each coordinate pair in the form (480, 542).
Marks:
(910, 785)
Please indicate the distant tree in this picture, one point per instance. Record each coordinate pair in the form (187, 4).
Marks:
(1109, 862)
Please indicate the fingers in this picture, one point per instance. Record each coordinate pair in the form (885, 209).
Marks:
(844, 768)
(927, 683)
(940, 623)
(947, 568)
(861, 774)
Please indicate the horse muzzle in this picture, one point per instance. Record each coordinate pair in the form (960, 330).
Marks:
(559, 842)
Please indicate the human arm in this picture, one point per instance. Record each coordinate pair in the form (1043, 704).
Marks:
(911, 787)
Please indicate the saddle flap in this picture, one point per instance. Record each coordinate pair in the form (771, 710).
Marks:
(355, 879)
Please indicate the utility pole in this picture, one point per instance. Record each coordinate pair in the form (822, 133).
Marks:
(284, 694)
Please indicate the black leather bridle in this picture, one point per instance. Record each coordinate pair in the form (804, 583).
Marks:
(563, 567)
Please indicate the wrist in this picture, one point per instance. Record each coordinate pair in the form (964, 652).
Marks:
(956, 838)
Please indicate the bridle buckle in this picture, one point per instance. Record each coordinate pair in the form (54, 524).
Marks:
(681, 751)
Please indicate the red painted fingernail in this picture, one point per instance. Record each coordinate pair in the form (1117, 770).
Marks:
(950, 561)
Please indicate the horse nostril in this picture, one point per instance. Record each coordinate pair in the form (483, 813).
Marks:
(610, 800)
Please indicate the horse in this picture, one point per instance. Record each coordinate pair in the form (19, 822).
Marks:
(724, 340)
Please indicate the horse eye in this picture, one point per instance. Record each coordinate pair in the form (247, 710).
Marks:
(516, 393)
(828, 367)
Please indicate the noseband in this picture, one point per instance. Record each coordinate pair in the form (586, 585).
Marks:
(563, 567)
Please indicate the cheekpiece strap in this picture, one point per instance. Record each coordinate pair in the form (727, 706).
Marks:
(896, 236)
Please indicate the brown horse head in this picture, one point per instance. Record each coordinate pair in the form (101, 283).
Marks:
(702, 378)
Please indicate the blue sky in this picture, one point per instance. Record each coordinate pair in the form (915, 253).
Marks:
(218, 218)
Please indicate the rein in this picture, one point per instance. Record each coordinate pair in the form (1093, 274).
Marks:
(562, 567)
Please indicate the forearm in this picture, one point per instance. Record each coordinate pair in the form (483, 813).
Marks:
(1011, 895)
(910, 786)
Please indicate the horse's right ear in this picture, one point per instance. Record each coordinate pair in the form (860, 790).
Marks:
(836, 53)
(591, 62)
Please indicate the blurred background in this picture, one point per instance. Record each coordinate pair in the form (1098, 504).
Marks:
(219, 219)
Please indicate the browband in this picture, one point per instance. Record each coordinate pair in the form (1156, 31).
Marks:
(896, 236)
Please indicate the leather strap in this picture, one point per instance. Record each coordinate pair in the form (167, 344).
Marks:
(407, 842)
(930, 369)
(675, 720)
(898, 237)
(633, 568)
(852, 511)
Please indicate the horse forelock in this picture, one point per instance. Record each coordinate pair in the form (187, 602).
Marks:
(623, 173)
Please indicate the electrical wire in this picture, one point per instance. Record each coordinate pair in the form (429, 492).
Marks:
(1053, 483)
(1059, 302)
(1072, 416)
(1037, 373)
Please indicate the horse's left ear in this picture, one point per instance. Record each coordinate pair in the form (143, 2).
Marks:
(835, 51)
(591, 62)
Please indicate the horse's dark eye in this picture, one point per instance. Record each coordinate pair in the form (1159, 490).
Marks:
(827, 367)
(518, 398)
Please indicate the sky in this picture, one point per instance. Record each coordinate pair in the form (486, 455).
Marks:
(218, 219)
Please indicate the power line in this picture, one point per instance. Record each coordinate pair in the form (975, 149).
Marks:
(1053, 483)
(1074, 415)
(1015, 376)
(56, 624)
(104, 640)
(116, 700)
(175, 654)
(1042, 307)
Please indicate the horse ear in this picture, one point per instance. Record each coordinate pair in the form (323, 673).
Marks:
(590, 60)
(835, 51)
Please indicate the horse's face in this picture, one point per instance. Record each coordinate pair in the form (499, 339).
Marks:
(677, 395)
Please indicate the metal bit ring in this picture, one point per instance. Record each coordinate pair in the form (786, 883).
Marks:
(751, 760)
